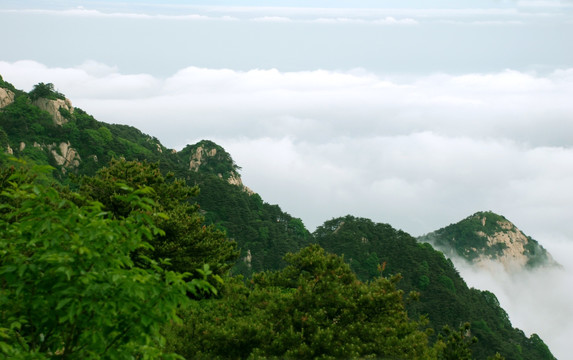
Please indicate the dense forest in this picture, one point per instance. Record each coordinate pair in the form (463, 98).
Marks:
(114, 246)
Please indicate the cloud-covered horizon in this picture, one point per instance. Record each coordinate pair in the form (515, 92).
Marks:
(415, 151)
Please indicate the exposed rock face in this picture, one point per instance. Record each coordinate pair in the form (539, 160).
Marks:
(512, 242)
(67, 156)
(6, 97)
(248, 259)
(199, 155)
(53, 107)
(64, 155)
(235, 179)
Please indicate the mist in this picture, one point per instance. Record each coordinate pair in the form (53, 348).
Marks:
(537, 301)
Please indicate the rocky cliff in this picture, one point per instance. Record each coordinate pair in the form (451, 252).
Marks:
(6, 97)
(57, 108)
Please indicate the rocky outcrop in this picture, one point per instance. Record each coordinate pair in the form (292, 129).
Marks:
(54, 106)
(248, 259)
(64, 155)
(6, 97)
(510, 241)
(67, 156)
(235, 179)
(198, 157)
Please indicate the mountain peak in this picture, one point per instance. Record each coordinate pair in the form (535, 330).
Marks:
(210, 158)
(487, 236)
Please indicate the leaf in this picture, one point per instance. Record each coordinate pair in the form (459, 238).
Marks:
(63, 303)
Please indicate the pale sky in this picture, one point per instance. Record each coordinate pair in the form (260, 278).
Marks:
(412, 113)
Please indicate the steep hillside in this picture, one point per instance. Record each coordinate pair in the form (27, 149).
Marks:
(264, 232)
(44, 127)
(486, 236)
(372, 249)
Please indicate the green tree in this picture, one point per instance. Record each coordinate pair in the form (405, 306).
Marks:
(46, 91)
(69, 286)
(314, 308)
(455, 345)
(185, 239)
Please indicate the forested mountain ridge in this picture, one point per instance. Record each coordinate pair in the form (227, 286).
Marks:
(486, 236)
(373, 248)
(81, 145)
(264, 234)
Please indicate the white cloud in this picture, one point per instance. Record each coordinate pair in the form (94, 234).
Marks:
(487, 15)
(545, 4)
(275, 19)
(525, 107)
(537, 301)
(88, 80)
(272, 18)
(93, 13)
(389, 20)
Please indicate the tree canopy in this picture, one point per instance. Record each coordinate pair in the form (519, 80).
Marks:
(70, 288)
(45, 91)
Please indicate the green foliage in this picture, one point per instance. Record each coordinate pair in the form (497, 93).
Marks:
(444, 296)
(6, 85)
(448, 283)
(261, 228)
(455, 345)
(4, 141)
(45, 91)
(69, 285)
(423, 282)
(313, 308)
(185, 241)
(101, 136)
(18, 118)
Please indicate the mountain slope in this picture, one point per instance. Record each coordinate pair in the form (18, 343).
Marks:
(80, 145)
(373, 248)
(486, 236)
